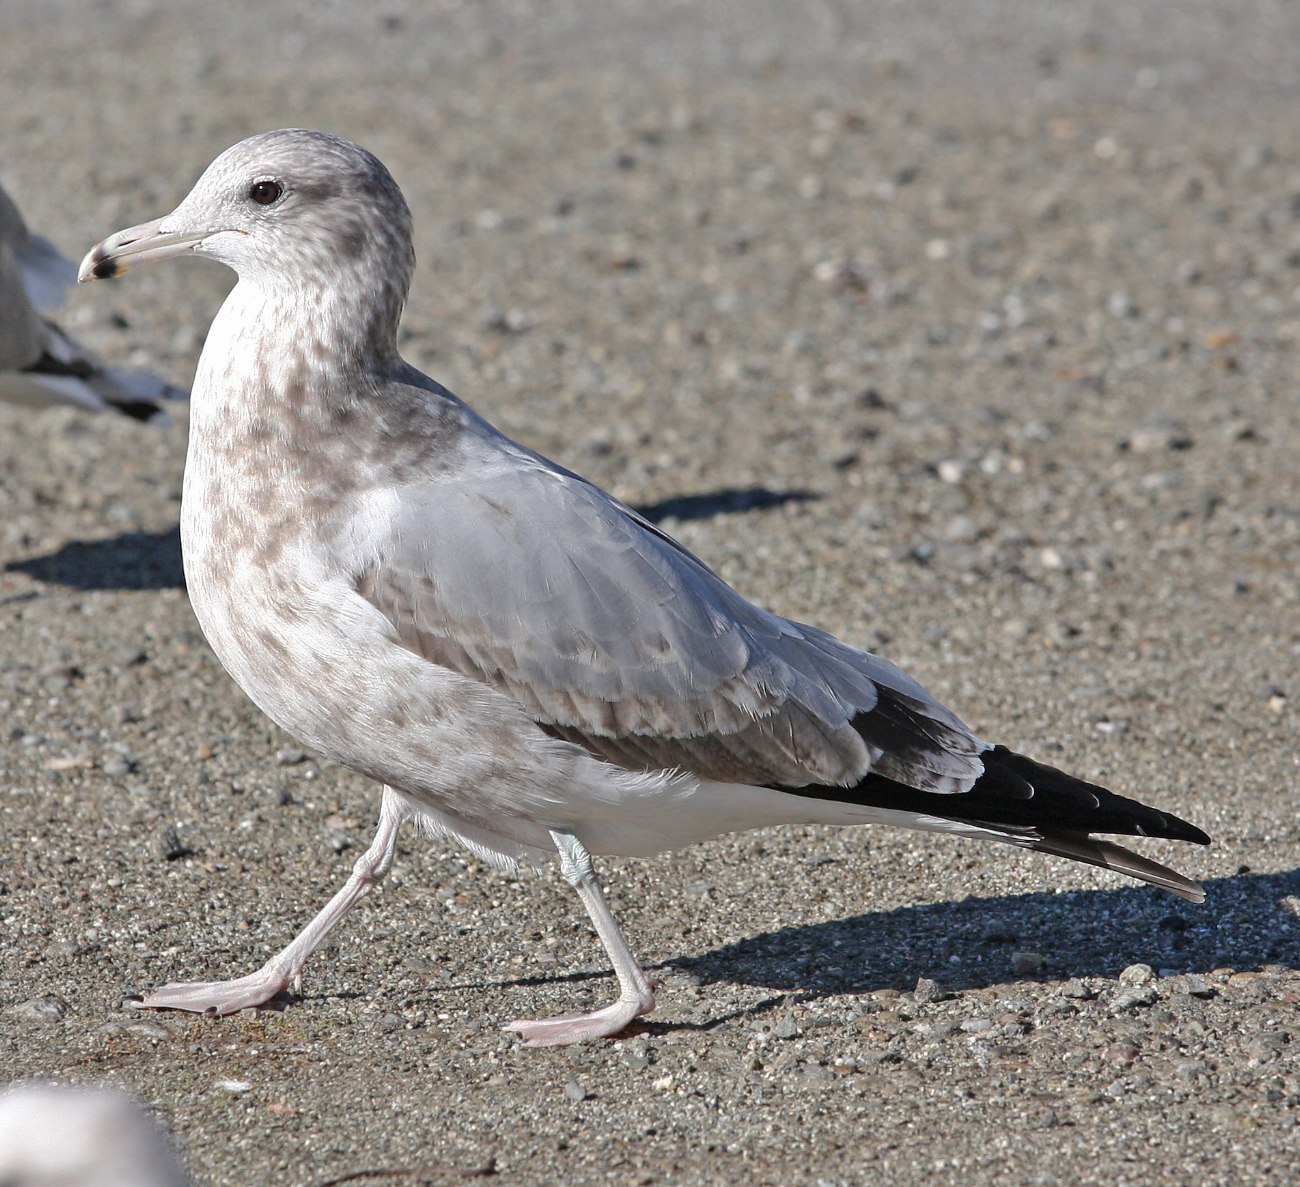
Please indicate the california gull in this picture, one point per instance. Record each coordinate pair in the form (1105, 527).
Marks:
(42, 365)
(66, 1137)
(526, 664)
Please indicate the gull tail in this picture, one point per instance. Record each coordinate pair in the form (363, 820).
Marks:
(1108, 855)
(1034, 806)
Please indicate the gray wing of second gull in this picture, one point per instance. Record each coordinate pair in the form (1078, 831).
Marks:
(22, 333)
(46, 273)
(511, 570)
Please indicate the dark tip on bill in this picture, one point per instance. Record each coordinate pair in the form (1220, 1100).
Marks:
(105, 269)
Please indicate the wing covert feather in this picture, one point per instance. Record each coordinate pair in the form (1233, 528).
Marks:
(612, 635)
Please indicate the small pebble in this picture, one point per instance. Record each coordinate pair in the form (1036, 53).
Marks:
(234, 1085)
(637, 1058)
(1192, 1067)
(1266, 1047)
(1137, 974)
(1198, 986)
(290, 756)
(1120, 1053)
(116, 767)
(1000, 931)
(942, 1030)
(148, 1030)
(1024, 964)
(977, 1026)
(927, 991)
(38, 1009)
(575, 1091)
(1077, 989)
(787, 1028)
(165, 844)
(338, 842)
(1143, 996)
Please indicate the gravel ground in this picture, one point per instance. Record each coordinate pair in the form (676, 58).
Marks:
(965, 330)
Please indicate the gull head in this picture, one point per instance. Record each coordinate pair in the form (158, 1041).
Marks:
(292, 208)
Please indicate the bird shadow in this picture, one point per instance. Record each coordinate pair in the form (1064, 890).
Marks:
(1243, 923)
(133, 560)
(722, 502)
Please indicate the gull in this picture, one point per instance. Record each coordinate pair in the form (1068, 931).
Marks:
(40, 364)
(526, 665)
(60, 1137)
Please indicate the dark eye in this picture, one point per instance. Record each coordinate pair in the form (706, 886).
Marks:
(264, 192)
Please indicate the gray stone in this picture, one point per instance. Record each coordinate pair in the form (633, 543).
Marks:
(338, 841)
(1024, 964)
(142, 1029)
(148, 1030)
(1137, 974)
(38, 1009)
(576, 1091)
(1121, 1052)
(1143, 996)
(1000, 931)
(927, 991)
(290, 756)
(1263, 1048)
(637, 1058)
(943, 1030)
(166, 844)
(786, 1028)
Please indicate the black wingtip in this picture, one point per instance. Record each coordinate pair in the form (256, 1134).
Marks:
(1017, 793)
(1065, 801)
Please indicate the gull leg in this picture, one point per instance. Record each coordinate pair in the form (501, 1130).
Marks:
(285, 967)
(636, 990)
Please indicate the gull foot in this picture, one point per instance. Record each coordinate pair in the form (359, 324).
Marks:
(219, 997)
(578, 1028)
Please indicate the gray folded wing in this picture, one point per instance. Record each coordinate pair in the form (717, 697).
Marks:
(46, 274)
(22, 333)
(612, 635)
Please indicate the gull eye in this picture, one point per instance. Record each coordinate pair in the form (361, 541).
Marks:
(264, 192)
